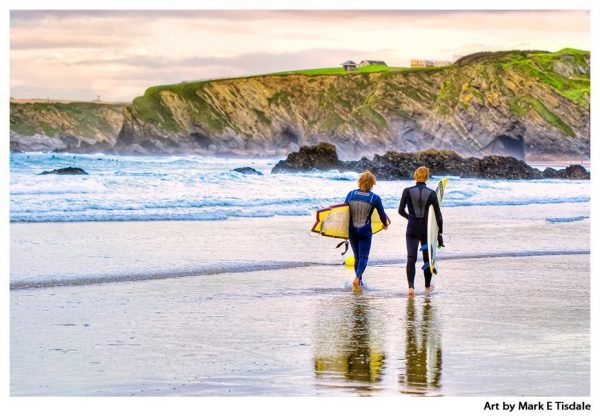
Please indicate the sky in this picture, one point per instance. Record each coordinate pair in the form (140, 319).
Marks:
(80, 55)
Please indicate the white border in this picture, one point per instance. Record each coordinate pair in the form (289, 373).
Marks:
(313, 406)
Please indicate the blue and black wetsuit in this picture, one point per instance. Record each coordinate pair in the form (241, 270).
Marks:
(362, 205)
(418, 198)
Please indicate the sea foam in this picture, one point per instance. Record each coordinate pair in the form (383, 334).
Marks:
(127, 188)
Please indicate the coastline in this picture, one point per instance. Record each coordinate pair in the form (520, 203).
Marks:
(113, 251)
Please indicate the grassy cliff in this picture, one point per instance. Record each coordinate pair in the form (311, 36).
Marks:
(529, 102)
(342, 90)
(521, 103)
(76, 122)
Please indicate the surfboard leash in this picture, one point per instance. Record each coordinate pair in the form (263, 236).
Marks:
(345, 248)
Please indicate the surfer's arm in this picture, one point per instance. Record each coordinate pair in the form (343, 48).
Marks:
(381, 211)
(438, 212)
(402, 207)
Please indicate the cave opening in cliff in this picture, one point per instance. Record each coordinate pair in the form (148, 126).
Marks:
(202, 140)
(504, 145)
(288, 136)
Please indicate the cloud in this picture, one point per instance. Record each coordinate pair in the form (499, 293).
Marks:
(40, 40)
(456, 19)
(120, 53)
(80, 33)
(253, 61)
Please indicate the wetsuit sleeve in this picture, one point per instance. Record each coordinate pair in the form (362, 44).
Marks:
(438, 212)
(380, 210)
(348, 197)
(402, 207)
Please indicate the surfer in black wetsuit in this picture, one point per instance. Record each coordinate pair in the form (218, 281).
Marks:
(362, 202)
(418, 198)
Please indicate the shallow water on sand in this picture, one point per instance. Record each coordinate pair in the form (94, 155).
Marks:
(496, 326)
(86, 252)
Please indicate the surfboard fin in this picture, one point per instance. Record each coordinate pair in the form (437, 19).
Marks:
(423, 247)
(425, 266)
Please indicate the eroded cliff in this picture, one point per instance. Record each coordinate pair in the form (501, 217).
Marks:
(526, 104)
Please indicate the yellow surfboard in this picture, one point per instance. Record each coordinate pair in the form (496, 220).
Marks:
(334, 221)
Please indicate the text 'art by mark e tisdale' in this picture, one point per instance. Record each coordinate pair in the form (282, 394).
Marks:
(538, 405)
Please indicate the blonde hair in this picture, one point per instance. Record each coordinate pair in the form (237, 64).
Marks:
(366, 181)
(421, 174)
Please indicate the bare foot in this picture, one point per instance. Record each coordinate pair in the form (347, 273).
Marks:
(429, 289)
(411, 291)
(356, 283)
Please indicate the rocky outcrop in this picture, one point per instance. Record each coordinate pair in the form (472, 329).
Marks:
(76, 127)
(246, 170)
(575, 172)
(322, 157)
(65, 171)
(395, 165)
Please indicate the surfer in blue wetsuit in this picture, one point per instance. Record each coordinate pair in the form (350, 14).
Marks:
(362, 202)
(418, 198)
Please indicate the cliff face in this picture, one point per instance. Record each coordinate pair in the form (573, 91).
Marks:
(523, 104)
(64, 126)
(532, 105)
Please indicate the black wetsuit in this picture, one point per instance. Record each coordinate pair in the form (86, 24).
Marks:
(418, 198)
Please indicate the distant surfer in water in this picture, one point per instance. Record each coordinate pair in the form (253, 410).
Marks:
(418, 198)
(362, 202)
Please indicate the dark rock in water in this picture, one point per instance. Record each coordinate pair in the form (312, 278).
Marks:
(323, 156)
(551, 173)
(396, 165)
(248, 171)
(503, 167)
(576, 172)
(65, 171)
(571, 172)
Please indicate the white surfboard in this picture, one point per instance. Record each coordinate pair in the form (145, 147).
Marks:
(432, 227)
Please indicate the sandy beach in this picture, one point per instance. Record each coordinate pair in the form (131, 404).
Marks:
(259, 307)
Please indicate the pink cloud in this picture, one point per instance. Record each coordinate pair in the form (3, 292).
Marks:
(122, 51)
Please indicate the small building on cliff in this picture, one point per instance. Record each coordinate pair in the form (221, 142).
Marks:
(368, 62)
(426, 63)
(349, 65)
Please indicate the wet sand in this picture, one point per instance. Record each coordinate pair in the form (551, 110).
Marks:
(510, 315)
(493, 327)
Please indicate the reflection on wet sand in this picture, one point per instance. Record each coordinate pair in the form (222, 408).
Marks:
(422, 371)
(348, 350)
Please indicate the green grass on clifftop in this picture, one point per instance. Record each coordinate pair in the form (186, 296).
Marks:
(151, 108)
(544, 66)
(340, 70)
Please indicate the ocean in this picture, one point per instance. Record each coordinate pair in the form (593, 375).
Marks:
(120, 188)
